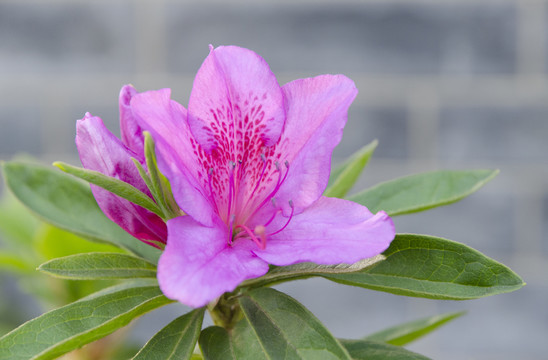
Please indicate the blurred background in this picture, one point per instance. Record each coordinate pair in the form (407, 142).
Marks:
(443, 84)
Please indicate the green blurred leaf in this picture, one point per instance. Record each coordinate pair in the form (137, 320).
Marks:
(115, 186)
(372, 350)
(279, 274)
(423, 191)
(345, 176)
(67, 202)
(17, 224)
(405, 333)
(274, 326)
(94, 266)
(14, 263)
(72, 326)
(52, 242)
(434, 268)
(176, 341)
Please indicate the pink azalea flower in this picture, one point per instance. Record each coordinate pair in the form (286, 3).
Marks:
(248, 162)
(101, 151)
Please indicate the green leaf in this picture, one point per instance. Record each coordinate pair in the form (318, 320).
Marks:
(423, 191)
(159, 185)
(405, 333)
(72, 326)
(434, 268)
(216, 343)
(17, 224)
(274, 326)
(345, 176)
(90, 266)
(176, 341)
(279, 274)
(13, 263)
(115, 186)
(52, 242)
(372, 350)
(68, 203)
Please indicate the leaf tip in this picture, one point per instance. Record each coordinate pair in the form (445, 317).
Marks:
(60, 165)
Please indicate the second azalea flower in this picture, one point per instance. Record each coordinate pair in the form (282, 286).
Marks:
(248, 163)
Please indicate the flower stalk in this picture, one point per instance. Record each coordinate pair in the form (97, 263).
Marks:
(225, 311)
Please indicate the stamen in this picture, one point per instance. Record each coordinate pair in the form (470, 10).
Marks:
(231, 190)
(278, 184)
(270, 196)
(209, 176)
(272, 218)
(288, 220)
(260, 231)
(259, 181)
(231, 229)
(260, 243)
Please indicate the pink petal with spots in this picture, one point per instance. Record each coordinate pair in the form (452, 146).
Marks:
(236, 111)
(235, 95)
(317, 110)
(101, 151)
(331, 231)
(131, 133)
(178, 154)
(198, 265)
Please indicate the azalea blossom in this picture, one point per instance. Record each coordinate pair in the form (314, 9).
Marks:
(248, 163)
(101, 151)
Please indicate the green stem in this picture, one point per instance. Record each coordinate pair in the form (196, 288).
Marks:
(225, 312)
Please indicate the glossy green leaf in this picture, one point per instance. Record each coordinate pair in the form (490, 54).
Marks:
(423, 191)
(345, 176)
(68, 203)
(405, 333)
(274, 326)
(72, 326)
(373, 350)
(176, 341)
(434, 268)
(91, 266)
(279, 274)
(216, 343)
(115, 186)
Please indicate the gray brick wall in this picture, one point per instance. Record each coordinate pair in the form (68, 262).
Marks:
(452, 84)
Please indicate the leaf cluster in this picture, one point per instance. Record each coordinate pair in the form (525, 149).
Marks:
(267, 323)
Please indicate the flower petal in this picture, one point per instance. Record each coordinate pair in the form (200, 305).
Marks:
(236, 111)
(101, 151)
(235, 90)
(131, 133)
(331, 231)
(178, 154)
(317, 109)
(198, 265)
